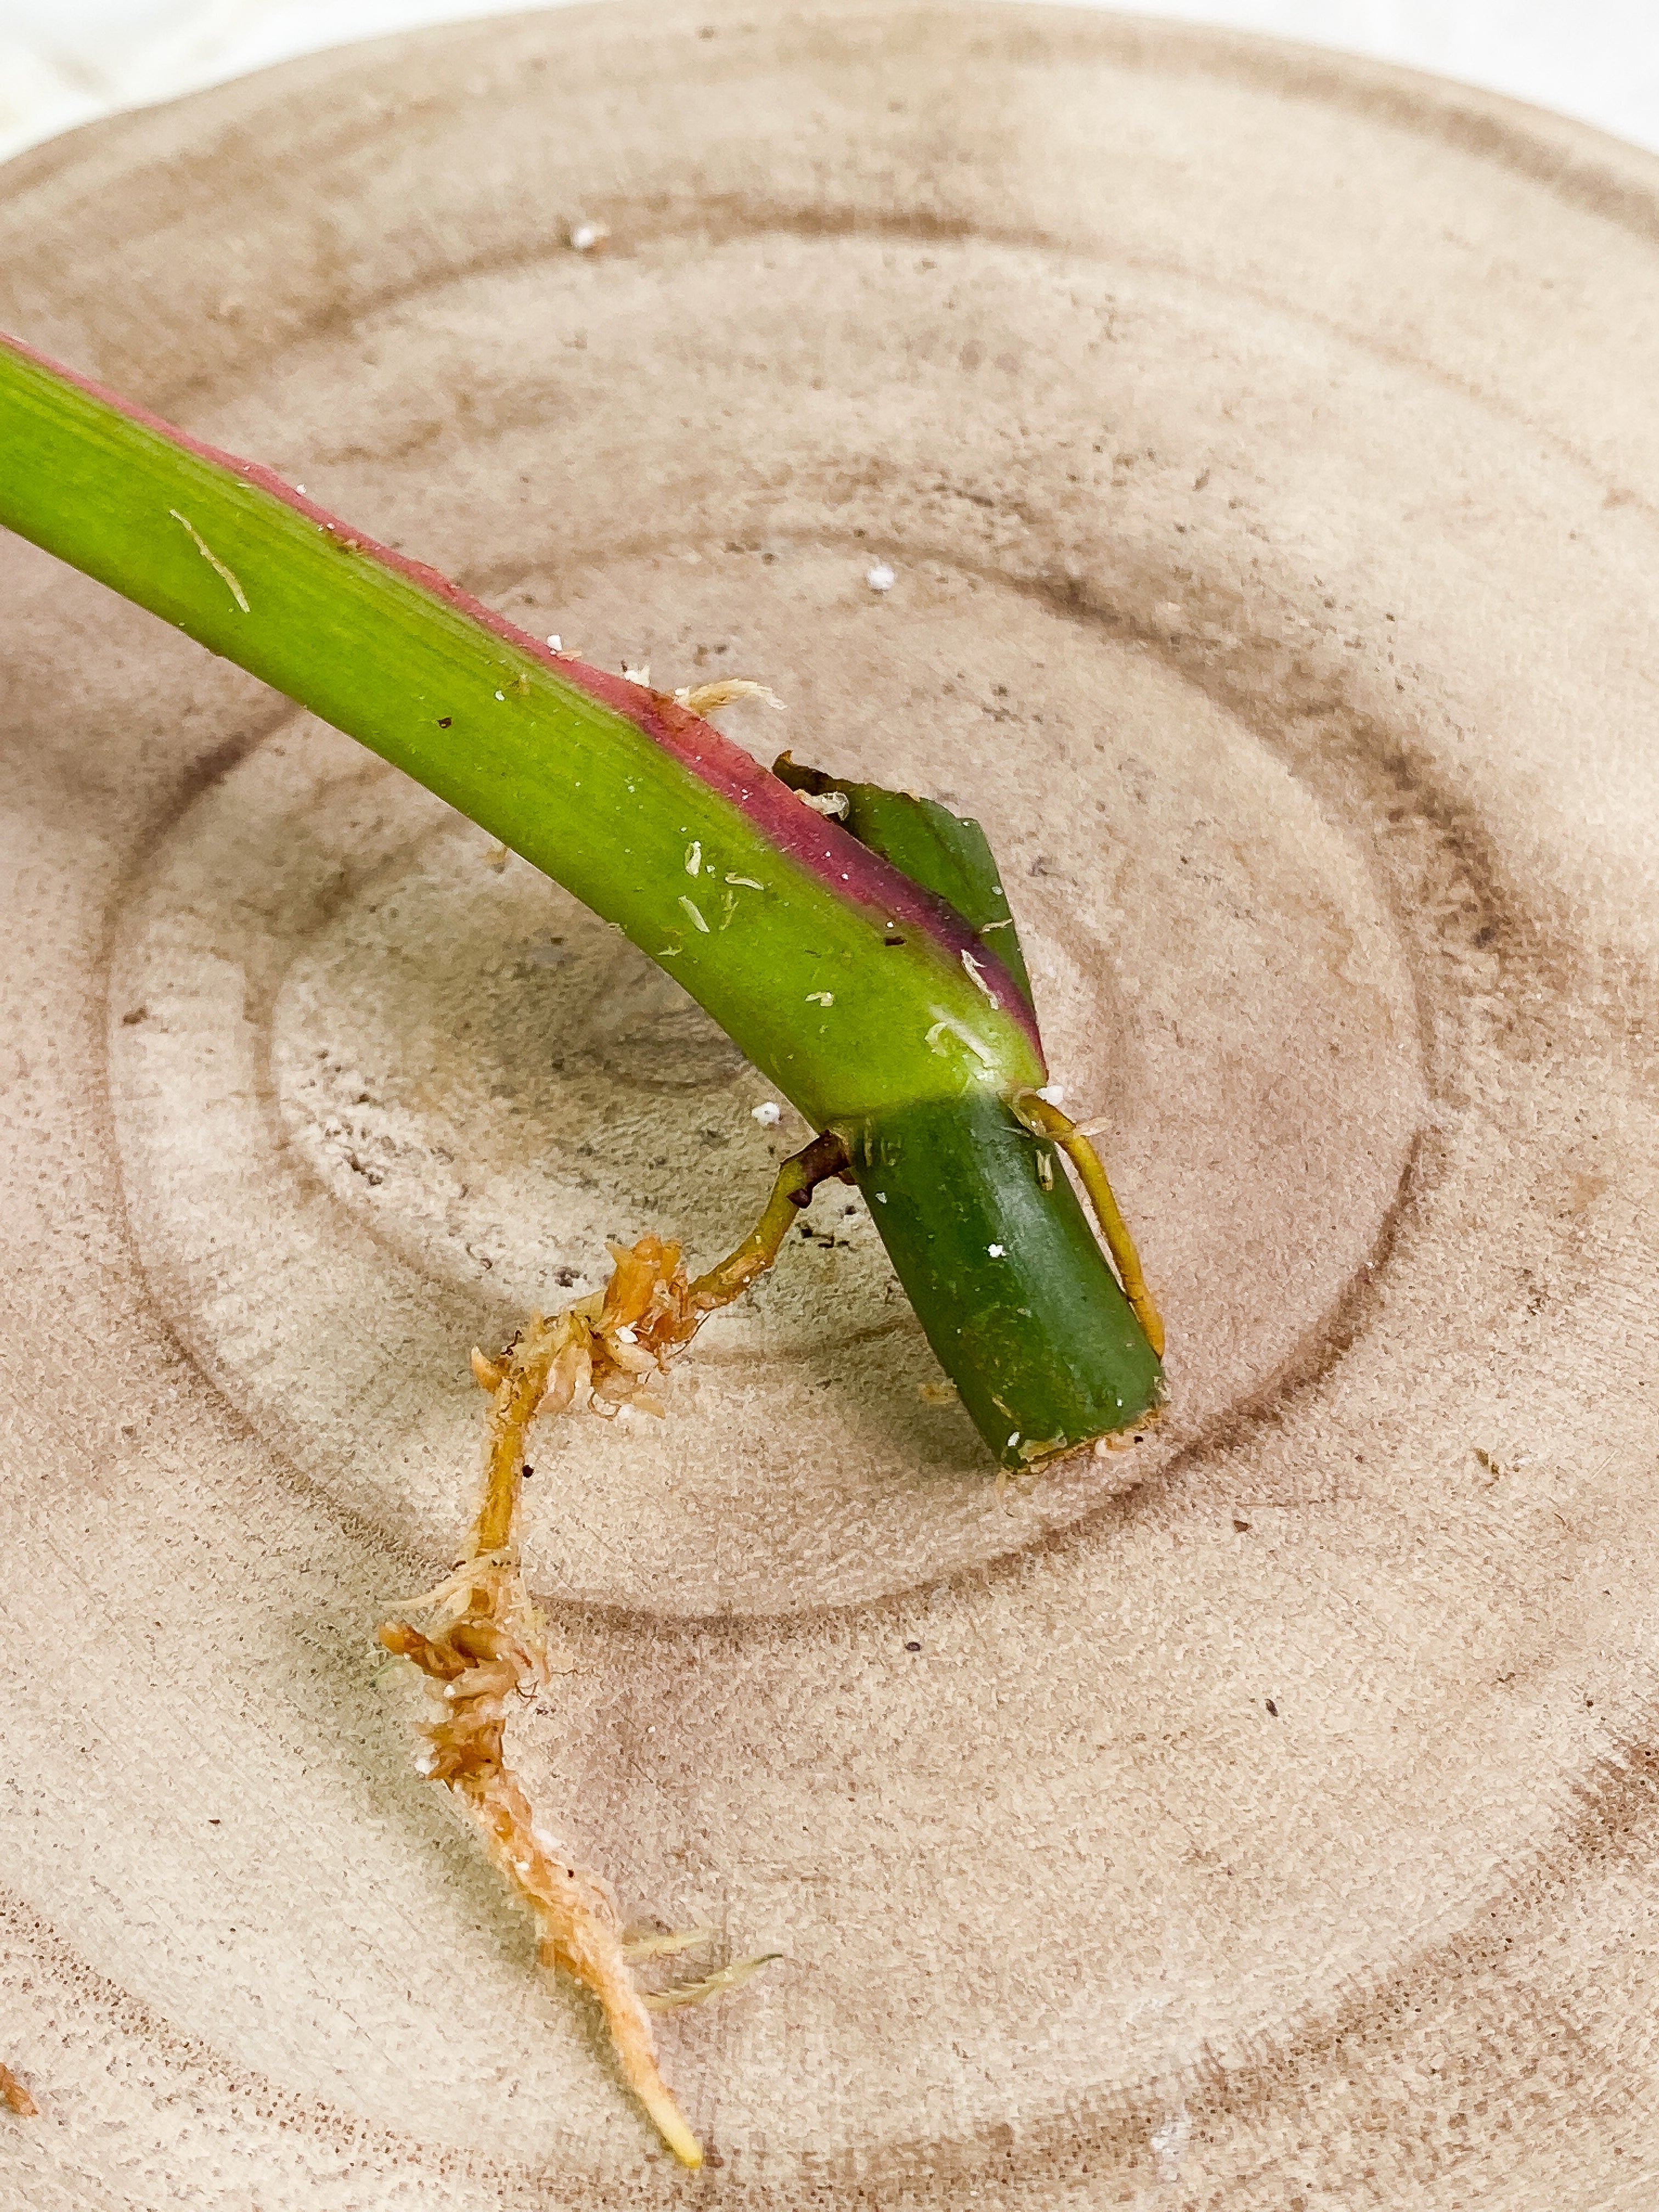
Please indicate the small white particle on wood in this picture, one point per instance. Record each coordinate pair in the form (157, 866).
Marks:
(585, 236)
(880, 578)
(768, 1113)
(1170, 2141)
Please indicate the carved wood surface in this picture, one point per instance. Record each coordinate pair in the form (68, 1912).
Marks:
(1263, 447)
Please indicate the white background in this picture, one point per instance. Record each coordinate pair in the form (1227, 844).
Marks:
(64, 61)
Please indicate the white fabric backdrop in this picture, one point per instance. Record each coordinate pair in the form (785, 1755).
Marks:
(64, 61)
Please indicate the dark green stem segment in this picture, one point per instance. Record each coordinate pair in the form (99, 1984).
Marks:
(871, 970)
(1001, 1264)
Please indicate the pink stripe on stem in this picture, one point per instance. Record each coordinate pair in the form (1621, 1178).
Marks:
(816, 843)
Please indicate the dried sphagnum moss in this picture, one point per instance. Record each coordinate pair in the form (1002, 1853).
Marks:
(487, 1643)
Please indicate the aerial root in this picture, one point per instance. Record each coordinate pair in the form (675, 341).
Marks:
(707, 699)
(711, 1986)
(660, 1947)
(487, 1645)
(1046, 1120)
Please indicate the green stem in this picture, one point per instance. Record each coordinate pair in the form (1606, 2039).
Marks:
(1035, 1331)
(869, 1001)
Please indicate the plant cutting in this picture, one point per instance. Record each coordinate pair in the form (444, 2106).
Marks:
(854, 942)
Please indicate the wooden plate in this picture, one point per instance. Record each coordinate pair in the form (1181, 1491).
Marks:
(1264, 449)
